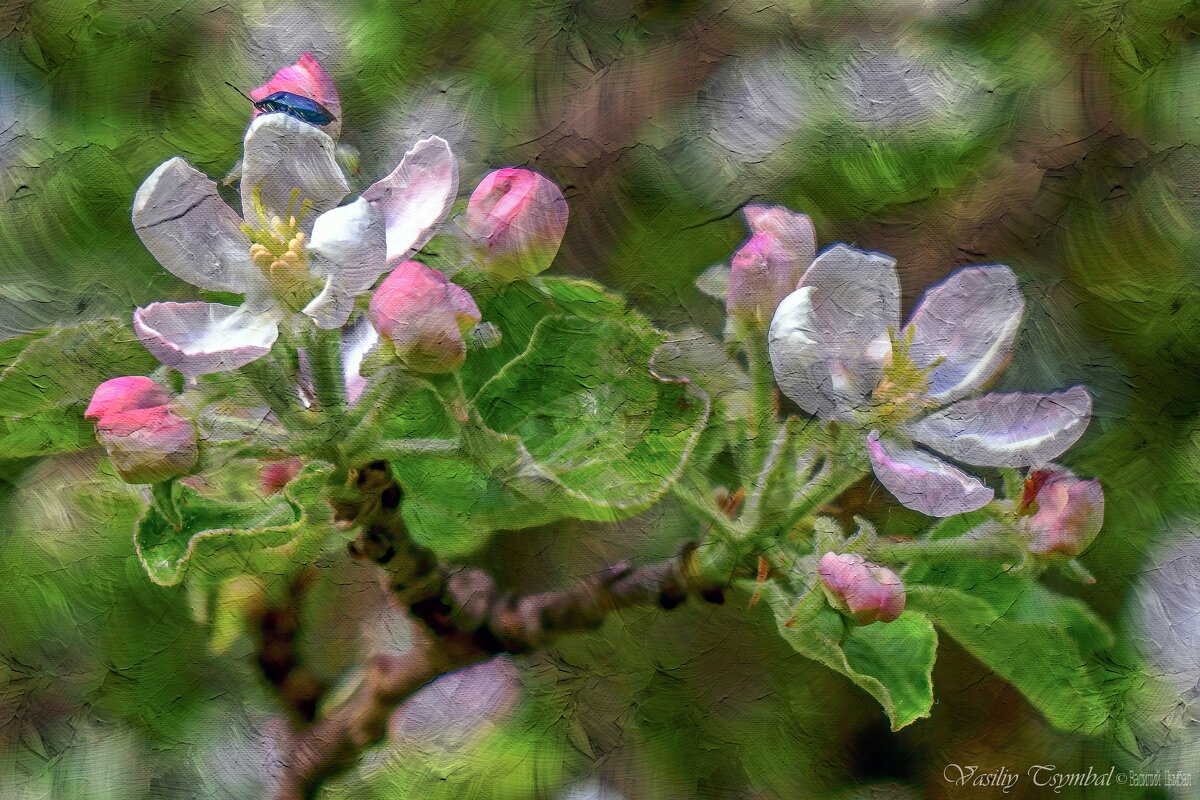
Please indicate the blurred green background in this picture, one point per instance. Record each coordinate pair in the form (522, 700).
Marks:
(1061, 137)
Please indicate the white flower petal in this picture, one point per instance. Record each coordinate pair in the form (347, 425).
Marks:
(357, 341)
(829, 338)
(416, 195)
(1007, 430)
(348, 249)
(199, 338)
(969, 321)
(186, 225)
(283, 154)
(925, 483)
(349, 245)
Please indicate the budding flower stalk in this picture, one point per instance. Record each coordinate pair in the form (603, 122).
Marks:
(425, 317)
(863, 591)
(1063, 513)
(517, 219)
(147, 442)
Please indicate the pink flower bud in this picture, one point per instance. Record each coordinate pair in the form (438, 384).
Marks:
(277, 474)
(864, 591)
(1063, 513)
(517, 218)
(425, 317)
(146, 441)
(771, 263)
(125, 394)
(308, 79)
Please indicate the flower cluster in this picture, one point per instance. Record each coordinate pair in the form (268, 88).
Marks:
(301, 257)
(838, 350)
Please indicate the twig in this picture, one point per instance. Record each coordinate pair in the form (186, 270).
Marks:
(466, 619)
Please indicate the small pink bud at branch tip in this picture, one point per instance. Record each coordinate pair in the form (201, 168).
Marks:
(146, 441)
(517, 219)
(425, 317)
(863, 591)
(768, 267)
(1063, 513)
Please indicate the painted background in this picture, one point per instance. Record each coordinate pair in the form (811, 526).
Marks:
(1060, 137)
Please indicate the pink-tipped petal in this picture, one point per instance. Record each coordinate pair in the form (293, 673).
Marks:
(148, 445)
(517, 219)
(415, 196)
(966, 324)
(925, 483)
(829, 338)
(201, 338)
(1007, 430)
(769, 266)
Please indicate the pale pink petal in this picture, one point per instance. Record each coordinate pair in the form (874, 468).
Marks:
(829, 338)
(283, 154)
(200, 338)
(1007, 430)
(967, 324)
(348, 249)
(925, 483)
(415, 196)
(191, 231)
(357, 340)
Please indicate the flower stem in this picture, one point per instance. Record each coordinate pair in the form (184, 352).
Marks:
(278, 390)
(325, 359)
(988, 546)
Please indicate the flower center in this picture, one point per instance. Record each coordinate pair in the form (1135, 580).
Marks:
(277, 248)
(902, 390)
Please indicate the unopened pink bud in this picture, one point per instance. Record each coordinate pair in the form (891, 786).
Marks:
(517, 219)
(425, 317)
(125, 394)
(771, 263)
(1063, 512)
(863, 591)
(306, 78)
(146, 441)
(277, 474)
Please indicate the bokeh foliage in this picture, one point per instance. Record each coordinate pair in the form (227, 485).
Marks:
(1061, 137)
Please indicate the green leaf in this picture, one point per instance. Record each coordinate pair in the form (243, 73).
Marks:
(1046, 645)
(452, 506)
(584, 426)
(517, 308)
(893, 661)
(224, 537)
(48, 377)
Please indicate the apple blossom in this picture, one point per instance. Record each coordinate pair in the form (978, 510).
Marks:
(863, 591)
(771, 263)
(147, 442)
(1062, 513)
(836, 352)
(517, 219)
(296, 251)
(425, 317)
